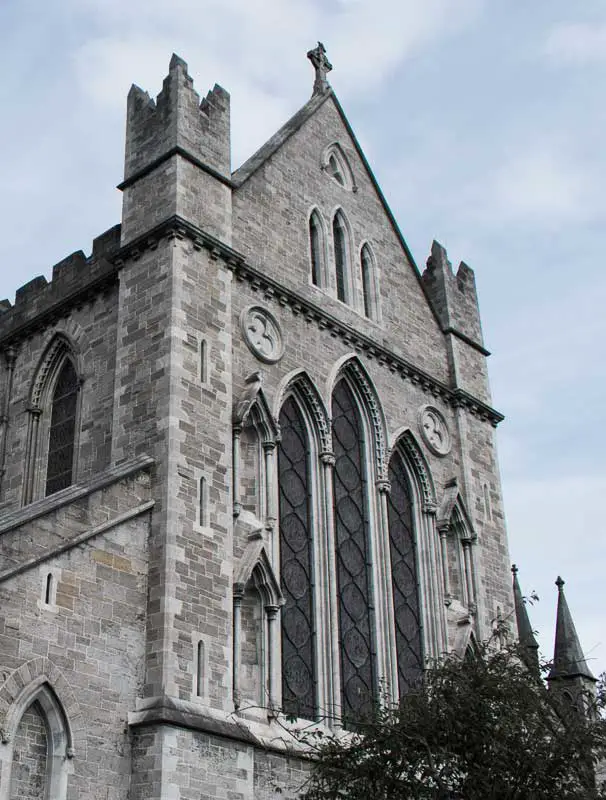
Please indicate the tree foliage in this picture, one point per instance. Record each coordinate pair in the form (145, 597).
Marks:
(483, 728)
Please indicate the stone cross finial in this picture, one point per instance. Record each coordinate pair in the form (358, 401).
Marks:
(322, 66)
(560, 583)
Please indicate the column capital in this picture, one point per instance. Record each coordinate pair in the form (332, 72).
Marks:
(328, 458)
(430, 508)
(384, 486)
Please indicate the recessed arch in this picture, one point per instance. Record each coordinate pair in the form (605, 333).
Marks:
(300, 384)
(54, 420)
(342, 251)
(336, 165)
(370, 282)
(40, 697)
(317, 238)
(405, 440)
(350, 367)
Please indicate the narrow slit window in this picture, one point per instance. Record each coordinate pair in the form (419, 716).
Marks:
(202, 511)
(339, 234)
(487, 504)
(368, 282)
(200, 669)
(315, 247)
(203, 362)
(48, 591)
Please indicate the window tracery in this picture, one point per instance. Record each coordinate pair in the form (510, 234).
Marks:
(296, 560)
(52, 435)
(356, 640)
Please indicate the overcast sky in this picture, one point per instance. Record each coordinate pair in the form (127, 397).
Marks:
(485, 125)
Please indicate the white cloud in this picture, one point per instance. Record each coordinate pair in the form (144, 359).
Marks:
(541, 185)
(576, 43)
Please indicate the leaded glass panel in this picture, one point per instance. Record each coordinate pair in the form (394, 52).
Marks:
(62, 431)
(298, 639)
(356, 644)
(404, 579)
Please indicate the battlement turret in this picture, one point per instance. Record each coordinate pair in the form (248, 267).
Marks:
(455, 303)
(453, 296)
(177, 118)
(177, 140)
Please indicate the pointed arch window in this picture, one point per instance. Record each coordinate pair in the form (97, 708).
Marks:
(316, 249)
(369, 283)
(299, 695)
(340, 235)
(353, 568)
(336, 165)
(62, 431)
(404, 577)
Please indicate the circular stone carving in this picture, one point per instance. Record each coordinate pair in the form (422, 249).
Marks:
(262, 334)
(434, 430)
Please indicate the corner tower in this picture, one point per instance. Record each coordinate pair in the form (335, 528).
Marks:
(177, 159)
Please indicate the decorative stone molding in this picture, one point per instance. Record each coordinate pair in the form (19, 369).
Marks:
(362, 382)
(262, 334)
(406, 441)
(301, 385)
(177, 228)
(434, 430)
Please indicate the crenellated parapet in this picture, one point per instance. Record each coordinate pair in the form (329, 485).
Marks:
(40, 302)
(177, 119)
(177, 157)
(453, 296)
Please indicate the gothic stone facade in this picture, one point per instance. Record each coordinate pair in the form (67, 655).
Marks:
(247, 462)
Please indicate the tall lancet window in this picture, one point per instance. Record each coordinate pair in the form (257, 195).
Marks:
(62, 431)
(316, 249)
(404, 577)
(368, 283)
(356, 644)
(298, 640)
(339, 234)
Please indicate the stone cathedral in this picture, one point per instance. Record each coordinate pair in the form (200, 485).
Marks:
(247, 464)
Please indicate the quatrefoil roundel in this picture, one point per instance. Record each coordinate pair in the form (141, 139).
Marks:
(262, 334)
(434, 430)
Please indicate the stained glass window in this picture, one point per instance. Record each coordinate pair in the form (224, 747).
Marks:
(404, 577)
(298, 638)
(356, 643)
(62, 431)
(338, 232)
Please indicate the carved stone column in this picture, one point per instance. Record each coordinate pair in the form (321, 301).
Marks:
(236, 471)
(443, 532)
(272, 661)
(10, 356)
(237, 634)
(31, 457)
(386, 649)
(469, 577)
(332, 661)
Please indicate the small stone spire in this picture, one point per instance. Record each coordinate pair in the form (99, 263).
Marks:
(322, 66)
(526, 637)
(568, 659)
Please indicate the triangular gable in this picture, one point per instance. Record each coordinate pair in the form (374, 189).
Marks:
(453, 501)
(254, 397)
(266, 151)
(255, 564)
